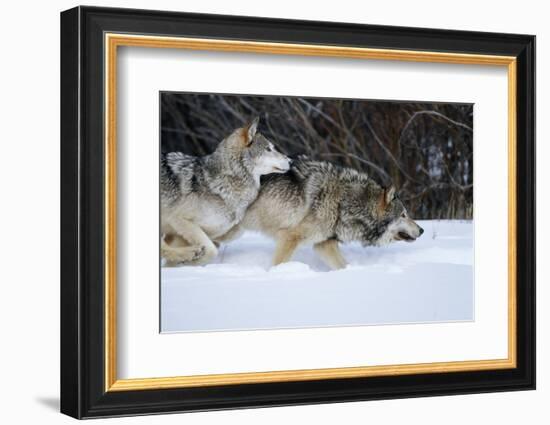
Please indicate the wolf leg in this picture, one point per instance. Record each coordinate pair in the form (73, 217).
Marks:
(175, 240)
(172, 254)
(234, 233)
(170, 245)
(285, 247)
(199, 249)
(329, 251)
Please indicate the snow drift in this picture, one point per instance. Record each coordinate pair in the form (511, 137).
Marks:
(430, 280)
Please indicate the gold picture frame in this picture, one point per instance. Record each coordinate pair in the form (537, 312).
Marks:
(114, 41)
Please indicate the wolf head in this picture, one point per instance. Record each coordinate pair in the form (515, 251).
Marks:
(254, 151)
(399, 227)
(373, 215)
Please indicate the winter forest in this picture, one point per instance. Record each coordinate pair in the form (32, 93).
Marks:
(424, 149)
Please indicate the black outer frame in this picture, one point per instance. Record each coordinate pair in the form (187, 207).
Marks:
(82, 217)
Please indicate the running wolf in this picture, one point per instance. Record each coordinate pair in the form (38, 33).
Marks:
(323, 204)
(202, 198)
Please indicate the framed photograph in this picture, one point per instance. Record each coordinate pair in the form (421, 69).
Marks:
(261, 212)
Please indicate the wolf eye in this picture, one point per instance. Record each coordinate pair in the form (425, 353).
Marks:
(404, 215)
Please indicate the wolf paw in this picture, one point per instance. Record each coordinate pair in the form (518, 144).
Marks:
(198, 253)
(189, 256)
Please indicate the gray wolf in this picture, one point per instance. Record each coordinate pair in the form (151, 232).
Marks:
(323, 204)
(203, 198)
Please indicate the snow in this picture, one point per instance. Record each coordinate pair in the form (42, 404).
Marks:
(429, 280)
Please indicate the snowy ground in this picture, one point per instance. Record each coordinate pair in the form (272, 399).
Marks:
(430, 280)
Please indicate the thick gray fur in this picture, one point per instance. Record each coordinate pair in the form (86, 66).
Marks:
(202, 199)
(323, 204)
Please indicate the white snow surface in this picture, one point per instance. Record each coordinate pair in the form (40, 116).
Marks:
(429, 280)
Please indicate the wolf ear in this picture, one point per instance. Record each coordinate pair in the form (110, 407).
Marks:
(389, 194)
(251, 130)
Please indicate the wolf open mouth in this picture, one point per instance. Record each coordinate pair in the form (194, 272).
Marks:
(405, 237)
